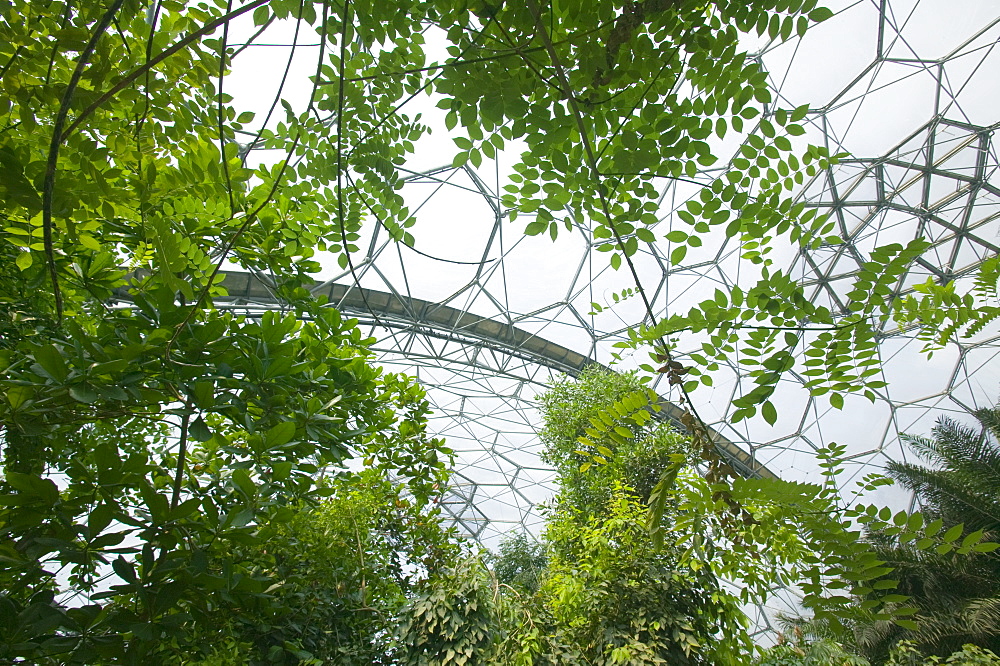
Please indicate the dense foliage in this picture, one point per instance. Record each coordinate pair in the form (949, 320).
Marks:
(610, 594)
(597, 589)
(148, 449)
(825, 652)
(904, 654)
(637, 460)
(800, 650)
(339, 577)
(162, 455)
(519, 563)
(957, 595)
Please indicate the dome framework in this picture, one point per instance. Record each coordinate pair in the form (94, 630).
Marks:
(487, 317)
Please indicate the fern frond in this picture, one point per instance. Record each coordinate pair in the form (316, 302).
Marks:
(985, 316)
(987, 278)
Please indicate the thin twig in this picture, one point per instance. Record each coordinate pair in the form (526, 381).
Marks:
(458, 62)
(49, 186)
(222, 114)
(181, 455)
(10, 62)
(155, 19)
(420, 90)
(345, 16)
(250, 42)
(252, 217)
(800, 329)
(55, 46)
(281, 86)
(606, 209)
(243, 227)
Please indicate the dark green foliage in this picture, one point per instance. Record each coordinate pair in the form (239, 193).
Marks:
(963, 483)
(610, 597)
(597, 590)
(186, 440)
(520, 563)
(339, 576)
(453, 619)
(802, 651)
(147, 450)
(905, 654)
(608, 594)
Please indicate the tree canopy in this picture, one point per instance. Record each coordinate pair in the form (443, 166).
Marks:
(155, 441)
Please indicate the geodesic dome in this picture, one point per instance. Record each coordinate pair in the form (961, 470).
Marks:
(487, 317)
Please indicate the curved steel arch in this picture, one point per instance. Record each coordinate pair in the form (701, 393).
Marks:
(253, 293)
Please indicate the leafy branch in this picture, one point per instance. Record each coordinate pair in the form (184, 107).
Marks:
(49, 184)
(132, 76)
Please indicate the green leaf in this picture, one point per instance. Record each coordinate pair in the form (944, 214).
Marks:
(820, 14)
(953, 533)
(241, 479)
(769, 412)
(199, 430)
(34, 486)
(972, 538)
(535, 228)
(280, 434)
(18, 395)
(84, 393)
(801, 26)
(52, 362)
(204, 394)
(125, 570)
(185, 509)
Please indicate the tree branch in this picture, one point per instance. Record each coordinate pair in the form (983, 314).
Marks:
(181, 455)
(49, 185)
(694, 422)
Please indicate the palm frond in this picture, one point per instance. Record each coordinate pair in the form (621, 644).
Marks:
(945, 630)
(957, 596)
(983, 618)
(950, 495)
(968, 450)
(989, 418)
